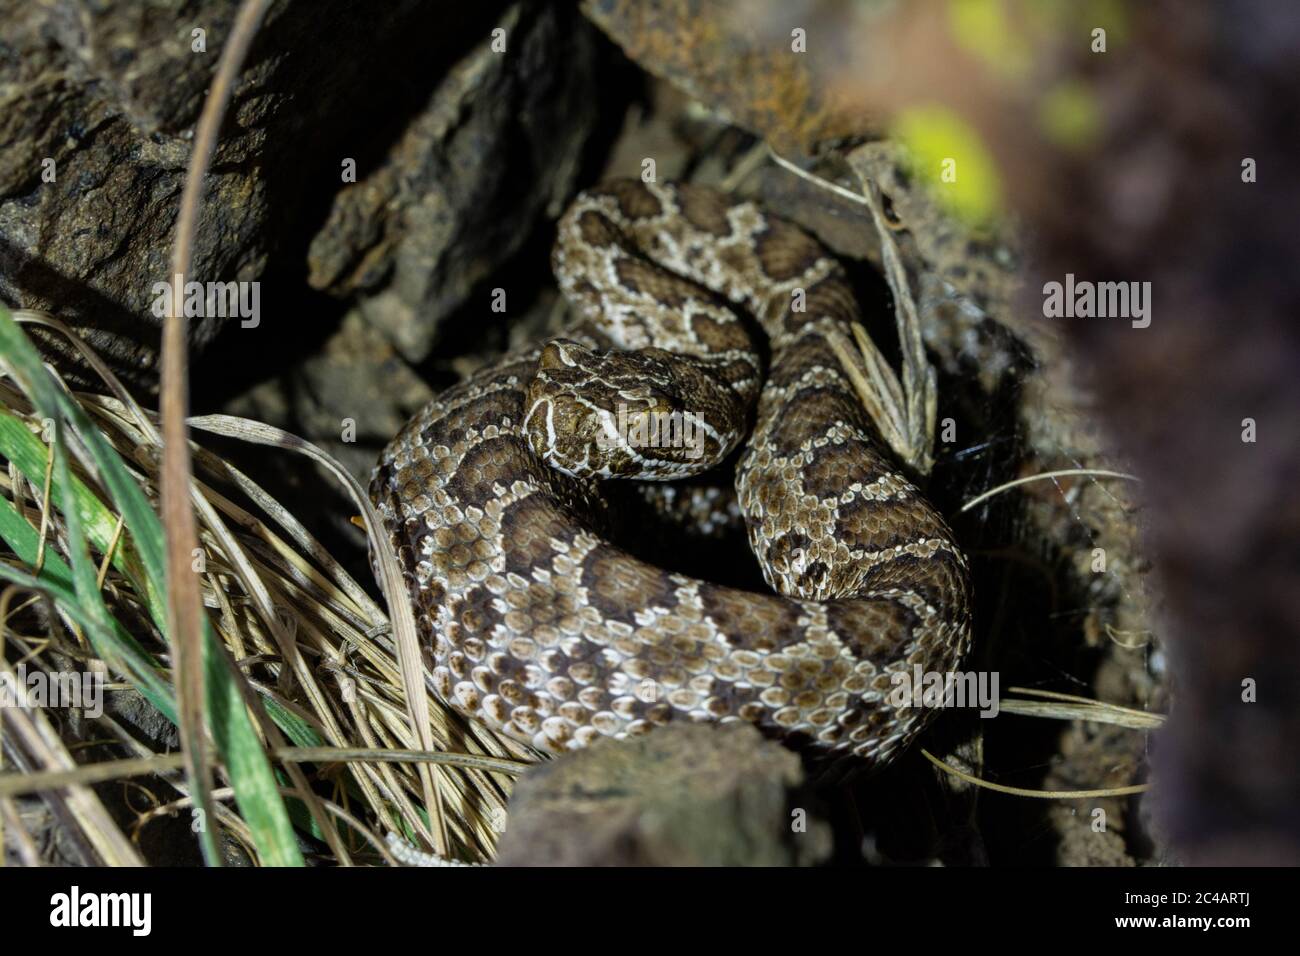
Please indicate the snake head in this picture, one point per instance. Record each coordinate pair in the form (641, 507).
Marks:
(645, 413)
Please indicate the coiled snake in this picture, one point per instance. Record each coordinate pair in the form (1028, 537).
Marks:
(545, 630)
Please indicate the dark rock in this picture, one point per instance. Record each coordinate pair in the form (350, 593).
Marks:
(351, 397)
(110, 94)
(684, 795)
(497, 146)
(89, 245)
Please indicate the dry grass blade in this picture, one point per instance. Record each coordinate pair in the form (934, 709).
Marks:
(225, 793)
(34, 734)
(905, 413)
(405, 633)
(1045, 476)
(877, 388)
(28, 853)
(920, 388)
(1069, 707)
(184, 600)
(87, 774)
(1095, 712)
(1036, 794)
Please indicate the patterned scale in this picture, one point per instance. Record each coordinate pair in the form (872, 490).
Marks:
(550, 633)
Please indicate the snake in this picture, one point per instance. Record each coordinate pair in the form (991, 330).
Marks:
(700, 334)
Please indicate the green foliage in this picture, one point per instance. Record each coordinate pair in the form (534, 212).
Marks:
(89, 523)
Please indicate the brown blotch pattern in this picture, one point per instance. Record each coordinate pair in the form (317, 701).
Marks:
(527, 529)
(704, 210)
(786, 252)
(548, 632)
(619, 588)
(750, 621)
(635, 201)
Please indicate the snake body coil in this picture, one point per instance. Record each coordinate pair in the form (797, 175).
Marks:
(550, 633)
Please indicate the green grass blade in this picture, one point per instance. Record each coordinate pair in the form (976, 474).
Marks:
(250, 771)
(28, 452)
(85, 580)
(117, 648)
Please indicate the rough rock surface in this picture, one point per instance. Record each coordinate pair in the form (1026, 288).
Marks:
(105, 96)
(684, 795)
(497, 146)
(740, 60)
(110, 93)
(351, 396)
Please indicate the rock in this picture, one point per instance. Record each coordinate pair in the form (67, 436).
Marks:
(351, 396)
(89, 245)
(108, 94)
(741, 64)
(1096, 831)
(497, 146)
(684, 795)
